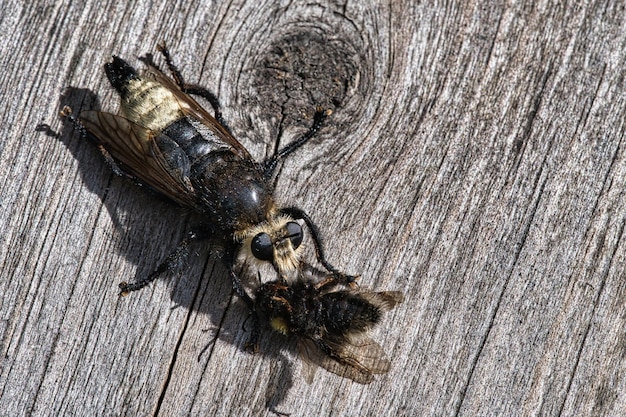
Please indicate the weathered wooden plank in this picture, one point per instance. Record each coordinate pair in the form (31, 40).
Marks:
(474, 160)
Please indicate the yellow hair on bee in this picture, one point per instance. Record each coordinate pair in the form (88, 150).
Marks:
(280, 325)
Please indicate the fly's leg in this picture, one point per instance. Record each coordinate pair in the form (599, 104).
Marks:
(339, 276)
(193, 89)
(252, 345)
(173, 260)
(270, 163)
(66, 112)
(297, 213)
(178, 77)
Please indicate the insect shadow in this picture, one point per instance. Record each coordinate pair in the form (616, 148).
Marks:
(142, 218)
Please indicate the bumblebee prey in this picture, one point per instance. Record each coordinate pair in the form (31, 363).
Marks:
(163, 138)
(331, 324)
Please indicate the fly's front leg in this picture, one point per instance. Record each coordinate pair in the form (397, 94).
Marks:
(252, 345)
(173, 261)
(340, 277)
(269, 165)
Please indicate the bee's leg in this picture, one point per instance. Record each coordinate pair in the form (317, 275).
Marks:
(270, 163)
(193, 89)
(252, 344)
(339, 276)
(173, 260)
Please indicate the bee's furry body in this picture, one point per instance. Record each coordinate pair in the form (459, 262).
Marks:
(331, 324)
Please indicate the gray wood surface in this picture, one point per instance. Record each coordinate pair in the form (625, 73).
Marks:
(475, 160)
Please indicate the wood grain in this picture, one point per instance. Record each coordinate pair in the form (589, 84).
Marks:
(475, 160)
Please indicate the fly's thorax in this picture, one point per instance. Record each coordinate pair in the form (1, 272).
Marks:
(231, 191)
(149, 104)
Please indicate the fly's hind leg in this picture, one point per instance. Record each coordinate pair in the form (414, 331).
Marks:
(173, 261)
(193, 89)
(67, 113)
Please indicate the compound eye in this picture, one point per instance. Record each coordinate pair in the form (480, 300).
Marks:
(262, 247)
(294, 232)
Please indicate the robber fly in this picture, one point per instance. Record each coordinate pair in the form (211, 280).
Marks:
(331, 323)
(163, 138)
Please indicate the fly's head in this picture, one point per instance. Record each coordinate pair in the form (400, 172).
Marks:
(276, 242)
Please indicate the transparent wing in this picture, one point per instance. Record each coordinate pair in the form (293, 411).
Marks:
(308, 351)
(364, 354)
(192, 108)
(136, 150)
(358, 362)
(386, 300)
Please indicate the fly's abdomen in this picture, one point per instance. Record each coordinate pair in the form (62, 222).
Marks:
(145, 102)
(222, 182)
(196, 145)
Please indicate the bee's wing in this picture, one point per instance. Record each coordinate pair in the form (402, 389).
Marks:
(309, 353)
(385, 300)
(137, 150)
(363, 353)
(390, 299)
(358, 362)
(190, 107)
